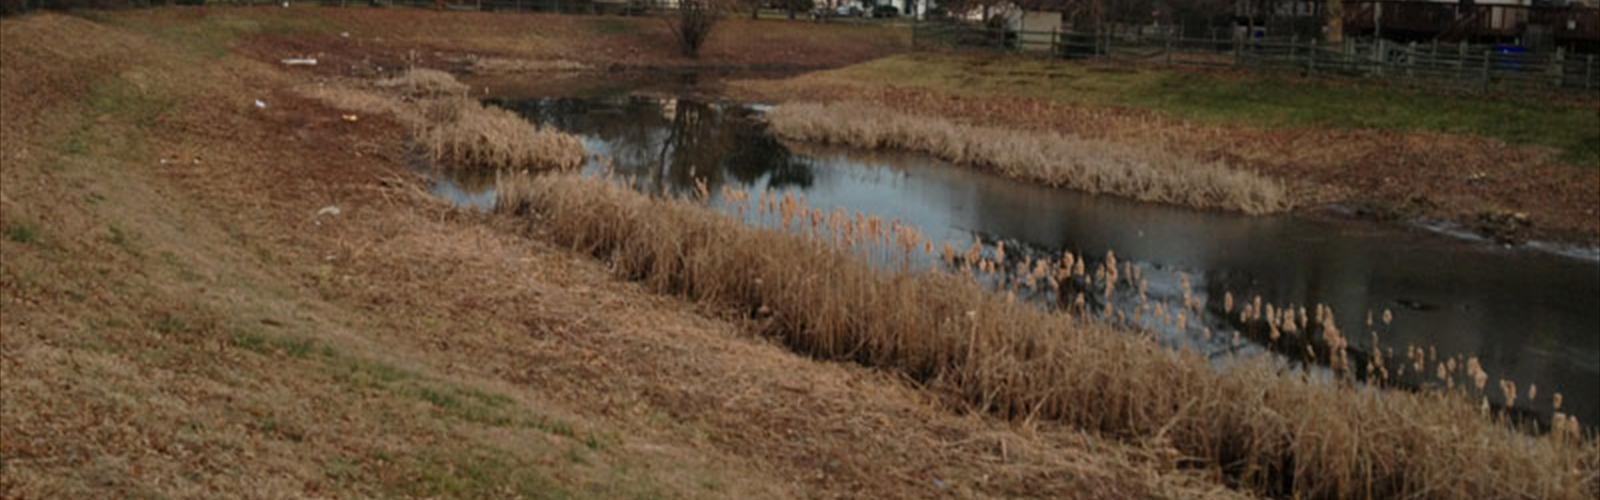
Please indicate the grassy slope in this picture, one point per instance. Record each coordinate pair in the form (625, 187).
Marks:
(191, 329)
(1264, 101)
(151, 352)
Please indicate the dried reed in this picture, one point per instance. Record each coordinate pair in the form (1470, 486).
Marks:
(1254, 425)
(1093, 165)
(425, 82)
(474, 135)
(503, 66)
(456, 131)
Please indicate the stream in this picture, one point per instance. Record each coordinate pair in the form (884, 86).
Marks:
(1531, 316)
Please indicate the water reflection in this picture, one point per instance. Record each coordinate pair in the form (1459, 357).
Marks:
(669, 145)
(1531, 317)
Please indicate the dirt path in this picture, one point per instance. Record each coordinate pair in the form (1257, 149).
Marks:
(205, 297)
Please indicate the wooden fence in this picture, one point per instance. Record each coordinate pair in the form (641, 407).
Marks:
(1458, 66)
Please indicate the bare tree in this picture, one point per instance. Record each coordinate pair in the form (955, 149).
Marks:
(1335, 21)
(692, 27)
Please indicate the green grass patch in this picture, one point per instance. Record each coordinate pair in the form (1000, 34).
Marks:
(261, 343)
(120, 237)
(212, 36)
(116, 116)
(476, 474)
(609, 26)
(172, 323)
(21, 233)
(452, 401)
(1263, 101)
(1277, 103)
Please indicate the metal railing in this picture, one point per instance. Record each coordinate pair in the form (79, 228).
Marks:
(1459, 66)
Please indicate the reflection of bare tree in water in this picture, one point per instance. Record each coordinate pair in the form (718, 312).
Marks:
(667, 144)
(717, 145)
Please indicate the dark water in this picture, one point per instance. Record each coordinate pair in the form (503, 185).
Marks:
(1531, 316)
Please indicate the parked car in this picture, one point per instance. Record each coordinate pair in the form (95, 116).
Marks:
(883, 11)
(851, 10)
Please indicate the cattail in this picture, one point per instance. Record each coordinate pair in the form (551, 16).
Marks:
(1480, 378)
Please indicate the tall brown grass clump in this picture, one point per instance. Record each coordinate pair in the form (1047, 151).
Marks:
(425, 82)
(453, 129)
(1253, 425)
(1092, 165)
(469, 134)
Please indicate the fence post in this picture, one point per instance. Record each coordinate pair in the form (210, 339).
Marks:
(1588, 73)
(1311, 57)
(1558, 67)
(1169, 50)
(1054, 36)
(1238, 50)
(1411, 61)
(1109, 36)
(1486, 70)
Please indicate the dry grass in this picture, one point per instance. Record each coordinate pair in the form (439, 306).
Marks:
(456, 131)
(1096, 166)
(423, 82)
(363, 101)
(181, 331)
(1249, 424)
(506, 65)
(1393, 173)
(476, 135)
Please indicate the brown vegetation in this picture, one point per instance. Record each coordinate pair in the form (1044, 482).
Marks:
(476, 135)
(1148, 172)
(387, 38)
(508, 66)
(424, 82)
(455, 130)
(1382, 174)
(1248, 424)
(189, 329)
